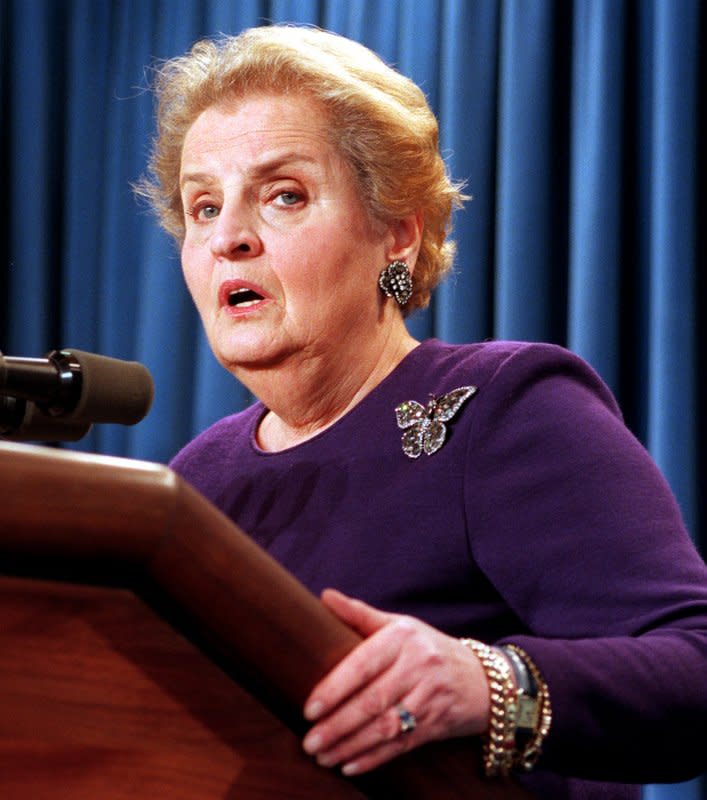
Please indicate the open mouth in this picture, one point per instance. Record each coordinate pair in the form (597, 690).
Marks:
(243, 298)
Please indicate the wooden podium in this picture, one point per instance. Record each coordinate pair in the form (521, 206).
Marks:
(149, 649)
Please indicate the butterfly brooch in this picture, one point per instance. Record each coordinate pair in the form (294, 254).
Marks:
(424, 426)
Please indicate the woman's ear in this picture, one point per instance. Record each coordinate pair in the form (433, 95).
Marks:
(405, 239)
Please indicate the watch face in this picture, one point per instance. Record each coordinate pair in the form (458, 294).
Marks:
(527, 712)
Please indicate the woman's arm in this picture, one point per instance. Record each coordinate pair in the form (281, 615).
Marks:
(572, 522)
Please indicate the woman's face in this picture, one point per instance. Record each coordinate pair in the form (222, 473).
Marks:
(279, 254)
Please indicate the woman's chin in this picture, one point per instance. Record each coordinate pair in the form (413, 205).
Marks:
(248, 353)
(243, 339)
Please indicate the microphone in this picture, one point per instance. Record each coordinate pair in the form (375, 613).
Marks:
(22, 421)
(68, 391)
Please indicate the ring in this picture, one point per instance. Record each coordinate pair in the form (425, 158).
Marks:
(408, 723)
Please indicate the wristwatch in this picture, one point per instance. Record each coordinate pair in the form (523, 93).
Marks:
(527, 715)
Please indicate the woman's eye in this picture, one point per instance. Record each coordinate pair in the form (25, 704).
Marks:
(206, 212)
(201, 211)
(288, 198)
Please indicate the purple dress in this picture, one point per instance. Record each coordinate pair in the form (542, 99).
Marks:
(540, 520)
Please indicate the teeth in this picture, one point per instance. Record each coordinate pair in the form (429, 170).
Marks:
(243, 298)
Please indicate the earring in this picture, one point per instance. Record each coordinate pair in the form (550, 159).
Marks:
(395, 281)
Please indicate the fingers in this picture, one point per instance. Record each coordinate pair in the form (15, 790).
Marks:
(367, 662)
(383, 739)
(378, 737)
(360, 721)
(355, 613)
(362, 666)
(364, 721)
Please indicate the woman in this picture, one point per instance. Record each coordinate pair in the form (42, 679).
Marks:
(520, 567)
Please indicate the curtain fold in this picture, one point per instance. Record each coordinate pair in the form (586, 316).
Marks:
(596, 183)
(671, 436)
(531, 206)
(577, 126)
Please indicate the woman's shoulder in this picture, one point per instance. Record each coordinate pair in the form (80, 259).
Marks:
(504, 364)
(491, 355)
(516, 384)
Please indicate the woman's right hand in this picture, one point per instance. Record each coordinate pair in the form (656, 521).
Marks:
(405, 674)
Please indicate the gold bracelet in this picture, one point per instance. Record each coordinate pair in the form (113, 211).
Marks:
(531, 753)
(499, 744)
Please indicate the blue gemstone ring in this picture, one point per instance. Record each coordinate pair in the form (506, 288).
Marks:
(408, 723)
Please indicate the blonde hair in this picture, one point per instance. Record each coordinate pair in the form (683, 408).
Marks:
(378, 120)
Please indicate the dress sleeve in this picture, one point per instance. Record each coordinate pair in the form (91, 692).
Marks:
(574, 525)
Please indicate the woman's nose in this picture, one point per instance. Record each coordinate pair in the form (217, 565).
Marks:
(234, 237)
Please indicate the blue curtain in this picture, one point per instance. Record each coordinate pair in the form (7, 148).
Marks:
(577, 125)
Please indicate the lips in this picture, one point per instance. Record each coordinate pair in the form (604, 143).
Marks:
(240, 296)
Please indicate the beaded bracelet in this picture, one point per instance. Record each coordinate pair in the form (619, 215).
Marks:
(499, 744)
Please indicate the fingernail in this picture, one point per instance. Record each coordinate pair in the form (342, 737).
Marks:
(351, 768)
(314, 709)
(326, 761)
(312, 743)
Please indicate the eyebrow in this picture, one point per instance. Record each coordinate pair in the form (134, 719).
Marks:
(257, 171)
(196, 177)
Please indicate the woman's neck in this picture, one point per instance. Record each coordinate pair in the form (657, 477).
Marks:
(310, 392)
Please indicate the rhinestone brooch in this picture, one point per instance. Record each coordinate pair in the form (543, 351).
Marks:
(424, 425)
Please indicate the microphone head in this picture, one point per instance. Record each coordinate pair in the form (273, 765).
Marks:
(112, 390)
